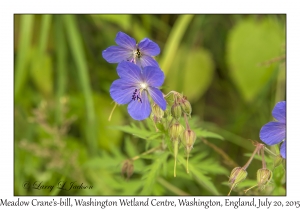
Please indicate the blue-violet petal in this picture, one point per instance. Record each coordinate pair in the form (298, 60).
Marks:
(140, 110)
(148, 47)
(121, 92)
(125, 41)
(272, 133)
(153, 76)
(158, 97)
(283, 149)
(279, 111)
(116, 54)
(129, 71)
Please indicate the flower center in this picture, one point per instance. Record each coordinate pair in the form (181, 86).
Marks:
(144, 85)
(138, 53)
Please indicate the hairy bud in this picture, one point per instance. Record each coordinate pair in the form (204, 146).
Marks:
(237, 175)
(157, 113)
(186, 106)
(189, 138)
(176, 111)
(264, 176)
(127, 168)
(175, 130)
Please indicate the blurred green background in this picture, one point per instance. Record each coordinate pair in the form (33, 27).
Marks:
(230, 67)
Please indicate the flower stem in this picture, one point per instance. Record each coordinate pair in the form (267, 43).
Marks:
(146, 153)
(175, 155)
(186, 122)
(258, 148)
(264, 166)
(187, 163)
(251, 158)
(270, 152)
(112, 111)
(172, 91)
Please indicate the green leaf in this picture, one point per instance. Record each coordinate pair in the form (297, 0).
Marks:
(151, 173)
(123, 21)
(202, 180)
(192, 73)
(249, 44)
(140, 132)
(207, 134)
(41, 72)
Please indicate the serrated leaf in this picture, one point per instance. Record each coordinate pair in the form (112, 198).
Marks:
(152, 172)
(203, 180)
(140, 131)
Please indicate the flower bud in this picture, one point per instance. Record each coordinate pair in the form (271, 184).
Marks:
(189, 138)
(130, 170)
(264, 176)
(186, 106)
(157, 113)
(127, 168)
(124, 167)
(175, 130)
(176, 111)
(237, 175)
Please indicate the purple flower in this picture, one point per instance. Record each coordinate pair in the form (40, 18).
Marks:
(274, 132)
(140, 54)
(135, 86)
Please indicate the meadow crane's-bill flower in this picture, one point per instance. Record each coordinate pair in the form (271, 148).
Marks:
(136, 86)
(128, 50)
(275, 132)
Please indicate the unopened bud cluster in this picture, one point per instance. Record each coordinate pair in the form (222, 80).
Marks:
(178, 133)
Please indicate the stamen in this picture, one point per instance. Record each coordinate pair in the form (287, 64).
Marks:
(138, 53)
(136, 95)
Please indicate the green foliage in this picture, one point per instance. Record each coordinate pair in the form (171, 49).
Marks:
(183, 79)
(250, 44)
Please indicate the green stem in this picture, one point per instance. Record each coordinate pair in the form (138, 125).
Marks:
(270, 152)
(171, 187)
(112, 111)
(174, 41)
(60, 43)
(77, 50)
(145, 153)
(186, 122)
(264, 166)
(251, 158)
(176, 142)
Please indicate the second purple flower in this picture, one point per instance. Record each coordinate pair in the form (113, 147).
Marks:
(128, 50)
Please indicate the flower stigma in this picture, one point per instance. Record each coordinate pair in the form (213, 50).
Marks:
(144, 85)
